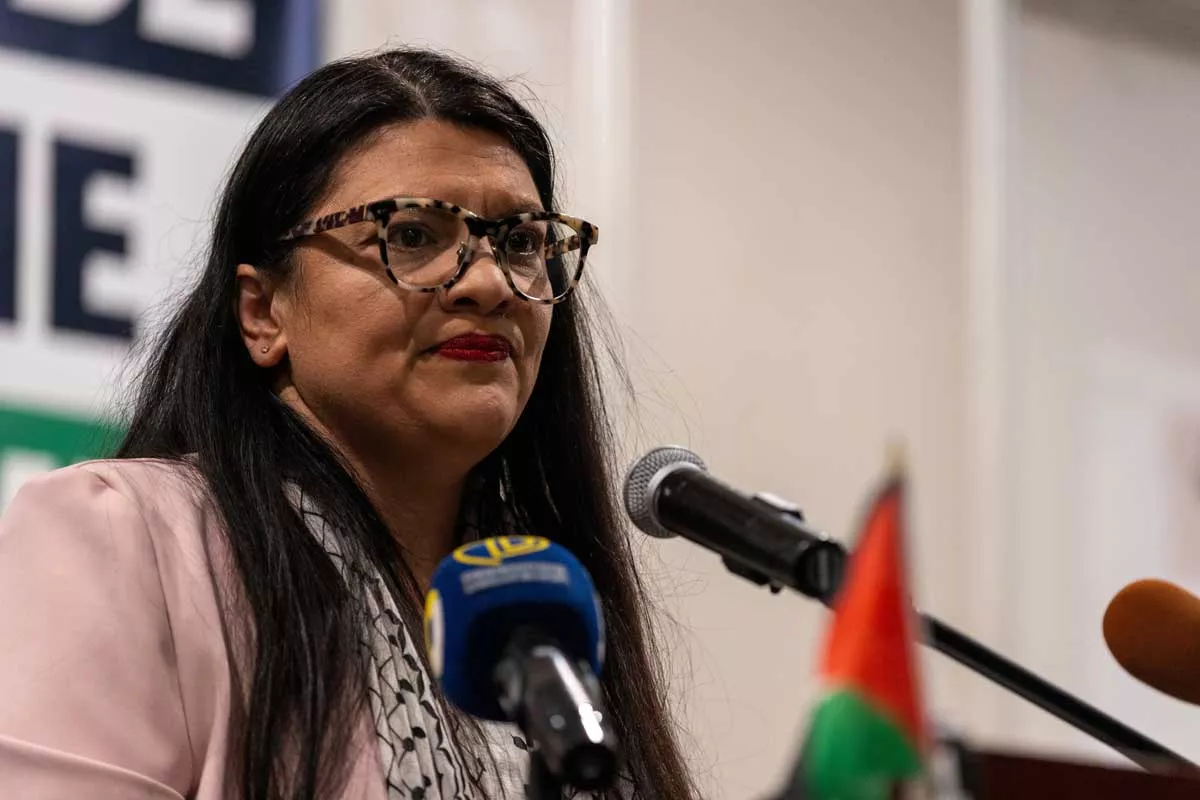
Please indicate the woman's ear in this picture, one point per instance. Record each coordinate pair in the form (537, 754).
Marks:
(258, 316)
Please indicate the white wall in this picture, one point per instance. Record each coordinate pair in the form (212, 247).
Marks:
(1103, 326)
(798, 296)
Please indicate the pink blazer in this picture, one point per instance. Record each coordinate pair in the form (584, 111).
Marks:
(113, 674)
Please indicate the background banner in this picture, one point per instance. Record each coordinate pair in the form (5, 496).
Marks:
(118, 120)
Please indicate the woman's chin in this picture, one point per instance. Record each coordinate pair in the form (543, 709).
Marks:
(477, 415)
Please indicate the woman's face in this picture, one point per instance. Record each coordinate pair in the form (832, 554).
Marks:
(368, 359)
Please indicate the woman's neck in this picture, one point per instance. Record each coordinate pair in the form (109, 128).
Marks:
(422, 516)
(418, 498)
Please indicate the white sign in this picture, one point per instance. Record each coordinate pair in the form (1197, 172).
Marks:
(118, 120)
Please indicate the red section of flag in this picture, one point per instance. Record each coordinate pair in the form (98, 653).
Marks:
(871, 647)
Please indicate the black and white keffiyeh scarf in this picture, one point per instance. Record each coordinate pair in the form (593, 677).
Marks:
(419, 756)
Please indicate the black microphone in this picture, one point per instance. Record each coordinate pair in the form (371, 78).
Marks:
(669, 491)
(762, 538)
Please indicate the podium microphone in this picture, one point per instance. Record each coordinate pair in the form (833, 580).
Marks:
(762, 538)
(1152, 628)
(669, 491)
(514, 632)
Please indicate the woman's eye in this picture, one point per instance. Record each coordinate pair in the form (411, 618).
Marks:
(410, 237)
(524, 242)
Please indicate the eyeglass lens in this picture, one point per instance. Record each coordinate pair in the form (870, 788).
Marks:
(423, 247)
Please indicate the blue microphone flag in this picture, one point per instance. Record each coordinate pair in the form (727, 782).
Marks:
(486, 591)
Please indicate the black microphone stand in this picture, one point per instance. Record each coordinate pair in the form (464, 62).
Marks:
(817, 572)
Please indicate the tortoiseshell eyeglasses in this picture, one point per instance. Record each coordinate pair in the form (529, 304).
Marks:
(428, 245)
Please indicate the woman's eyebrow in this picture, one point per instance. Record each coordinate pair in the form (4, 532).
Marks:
(501, 203)
(519, 207)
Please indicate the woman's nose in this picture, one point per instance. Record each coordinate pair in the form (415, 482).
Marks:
(482, 285)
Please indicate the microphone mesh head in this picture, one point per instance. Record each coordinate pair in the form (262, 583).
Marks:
(641, 483)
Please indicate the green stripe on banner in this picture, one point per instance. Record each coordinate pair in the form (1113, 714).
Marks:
(35, 441)
(854, 752)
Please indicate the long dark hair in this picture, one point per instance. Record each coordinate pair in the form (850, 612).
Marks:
(202, 398)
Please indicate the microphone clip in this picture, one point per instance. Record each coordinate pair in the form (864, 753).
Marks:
(755, 576)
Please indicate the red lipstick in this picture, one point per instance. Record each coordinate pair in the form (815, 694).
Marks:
(475, 347)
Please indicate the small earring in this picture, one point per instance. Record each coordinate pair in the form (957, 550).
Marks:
(265, 348)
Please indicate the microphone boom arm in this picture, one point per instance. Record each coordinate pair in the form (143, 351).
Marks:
(1141, 750)
(820, 579)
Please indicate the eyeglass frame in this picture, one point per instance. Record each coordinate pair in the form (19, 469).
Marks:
(496, 231)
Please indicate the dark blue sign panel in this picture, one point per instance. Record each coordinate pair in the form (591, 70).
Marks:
(253, 46)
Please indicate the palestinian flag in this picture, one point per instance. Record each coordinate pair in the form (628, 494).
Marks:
(868, 732)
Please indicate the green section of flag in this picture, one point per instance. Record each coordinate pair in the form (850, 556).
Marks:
(854, 752)
(61, 438)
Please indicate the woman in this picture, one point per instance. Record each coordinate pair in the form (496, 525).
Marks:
(367, 374)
